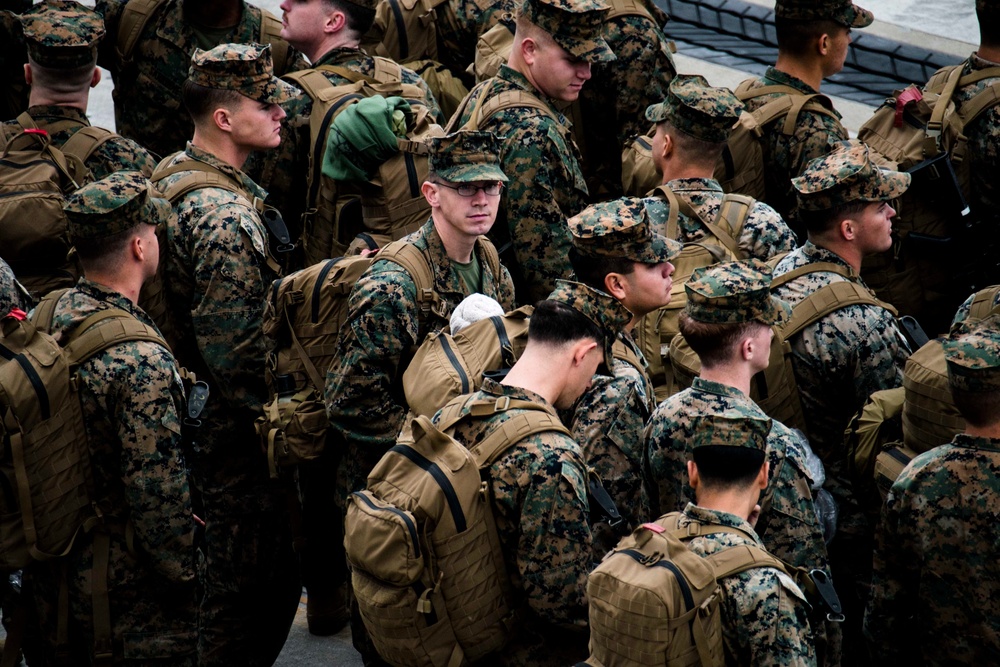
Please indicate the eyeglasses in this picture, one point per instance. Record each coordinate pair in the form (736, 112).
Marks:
(469, 190)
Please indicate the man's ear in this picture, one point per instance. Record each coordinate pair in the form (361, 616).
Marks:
(27, 73)
(431, 194)
(581, 349)
(334, 22)
(668, 146)
(848, 229)
(529, 50)
(96, 78)
(616, 285)
(223, 119)
(823, 44)
(762, 475)
(693, 480)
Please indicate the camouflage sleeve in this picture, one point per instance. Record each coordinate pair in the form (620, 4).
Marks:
(880, 354)
(118, 154)
(381, 325)
(765, 234)
(430, 101)
(226, 311)
(773, 627)
(555, 550)
(665, 466)
(147, 410)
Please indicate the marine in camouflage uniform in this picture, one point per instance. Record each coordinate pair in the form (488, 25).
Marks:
(284, 172)
(364, 393)
(935, 581)
(538, 486)
(547, 184)
(218, 271)
(147, 93)
(765, 616)
(816, 134)
(693, 123)
(613, 241)
(133, 403)
(849, 354)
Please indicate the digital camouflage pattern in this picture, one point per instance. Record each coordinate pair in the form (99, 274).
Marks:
(283, 171)
(115, 154)
(607, 422)
(620, 90)
(765, 616)
(147, 93)
(973, 357)
(113, 205)
(936, 574)
(364, 392)
(697, 109)
(575, 25)
(217, 273)
(621, 228)
(983, 149)
(846, 175)
(62, 34)
(764, 234)
(547, 185)
(841, 11)
(12, 295)
(538, 494)
(467, 156)
(243, 68)
(133, 402)
(734, 293)
(785, 158)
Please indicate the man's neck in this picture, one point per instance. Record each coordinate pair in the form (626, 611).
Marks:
(222, 149)
(842, 249)
(38, 98)
(126, 285)
(336, 41)
(809, 72)
(683, 168)
(216, 14)
(537, 372)
(991, 431)
(457, 246)
(730, 501)
(735, 375)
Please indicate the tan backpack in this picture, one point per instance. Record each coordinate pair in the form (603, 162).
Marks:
(775, 389)
(35, 179)
(935, 263)
(448, 89)
(388, 207)
(639, 173)
(656, 330)
(741, 167)
(655, 602)
(427, 569)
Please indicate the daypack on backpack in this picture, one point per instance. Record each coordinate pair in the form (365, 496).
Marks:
(654, 332)
(446, 366)
(137, 14)
(655, 602)
(303, 316)
(741, 167)
(35, 178)
(45, 467)
(934, 264)
(427, 569)
(775, 389)
(388, 207)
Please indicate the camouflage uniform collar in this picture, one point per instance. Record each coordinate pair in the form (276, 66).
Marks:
(776, 76)
(815, 253)
(704, 515)
(493, 388)
(57, 112)
(694, 184)
(974, 442)
(112, 298)
(975, 62)
(340, 55)
(711, 387)
(201, 155)
(445, 279)
(512, 76)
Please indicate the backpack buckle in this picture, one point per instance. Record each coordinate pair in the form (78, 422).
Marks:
(502, 404)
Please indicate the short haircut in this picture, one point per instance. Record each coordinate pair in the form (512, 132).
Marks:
(73, 80)
(979, 408)
(797, 38)
(555, 323)
(714, 343)
(693, 149)
(201, 101)
(103, 255)
(359, 19)
(820, 222)
(723, 467)
(988, 14)
(591, 270)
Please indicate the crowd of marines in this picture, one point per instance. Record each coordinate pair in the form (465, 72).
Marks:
(210, 567)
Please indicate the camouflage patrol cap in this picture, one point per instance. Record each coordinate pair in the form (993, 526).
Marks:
(467, 155)
(844, 175)
(575, 25)
(114, 204)
(973, 356)
(602, 309)
(244, 68)
(729, 428)
(734, 293)
(62, 34)
(698, 109)
(843, 12)
(621, 228)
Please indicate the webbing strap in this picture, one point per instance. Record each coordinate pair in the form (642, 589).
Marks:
(203, 175)
(826, 300)
(982, 304)
(679, 205)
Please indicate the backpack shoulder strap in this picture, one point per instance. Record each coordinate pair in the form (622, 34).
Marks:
(202, 175)
(530, 419)
(790, 104)
(85, 141)
(270, 33)
(46, 308)
(414, 261)
(509, 99)
(490, 253)
(680, 205)
(105, 328)
(733, 213)
(134, 18)
(815, 267)
(731, 560)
